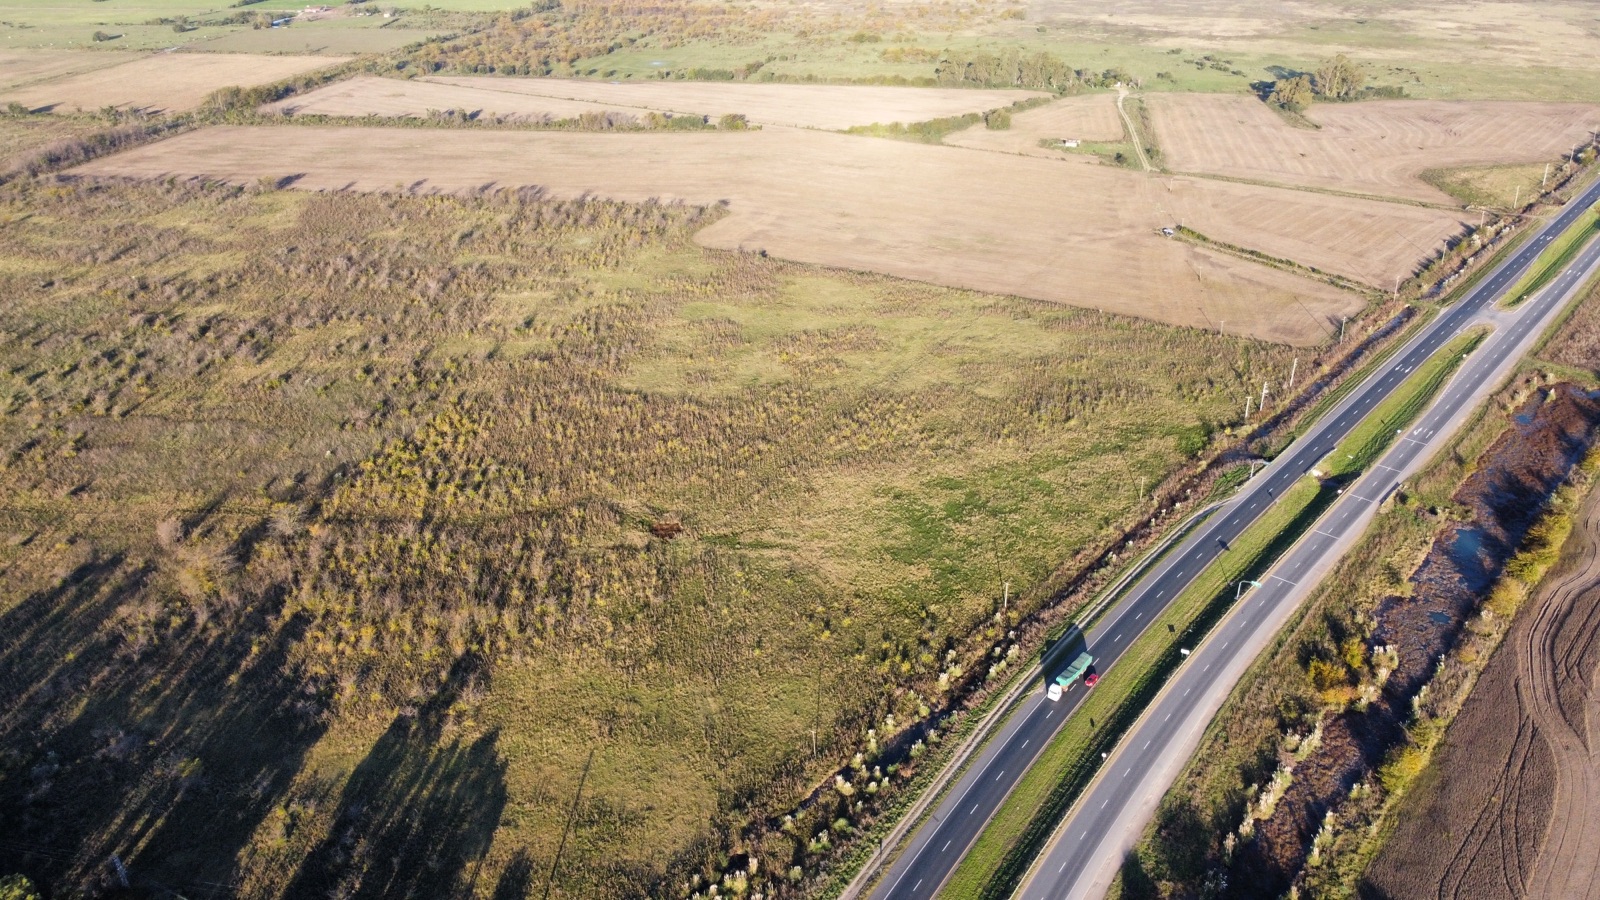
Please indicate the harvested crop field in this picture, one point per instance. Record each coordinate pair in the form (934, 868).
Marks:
(396, 99)
(825, 106)
(165, 82)
(1089, 118)
(1376, 147)
(1084, 235)
(1508, 807)
(20, 67)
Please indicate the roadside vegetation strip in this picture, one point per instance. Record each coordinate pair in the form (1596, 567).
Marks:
(1560, 254)
(1392, 344)
(1276, 262)
(1370, 437)
(1023, 825)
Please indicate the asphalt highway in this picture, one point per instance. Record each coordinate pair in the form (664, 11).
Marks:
(1089, 846)
(937, 846)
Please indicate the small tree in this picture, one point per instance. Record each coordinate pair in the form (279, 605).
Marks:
(1339, 78)
(1293, 94)
(733, 122)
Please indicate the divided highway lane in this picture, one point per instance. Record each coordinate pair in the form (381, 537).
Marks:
(937, 845)
(1089, 846)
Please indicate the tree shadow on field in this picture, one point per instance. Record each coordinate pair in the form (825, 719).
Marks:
(415, 815)
(166, 749)
(517, 878)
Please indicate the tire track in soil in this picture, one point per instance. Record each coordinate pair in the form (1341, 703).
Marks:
(1521, 764)
(1557, 666)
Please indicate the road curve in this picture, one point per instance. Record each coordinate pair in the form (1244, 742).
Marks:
(938, 844)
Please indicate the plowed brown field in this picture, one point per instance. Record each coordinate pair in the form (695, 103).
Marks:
(1085, 235)
(1090, 118)
(164, 82)
(1510, 808)
(1376, 147)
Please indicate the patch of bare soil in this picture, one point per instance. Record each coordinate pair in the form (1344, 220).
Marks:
(1512, 806)
(1505, 494)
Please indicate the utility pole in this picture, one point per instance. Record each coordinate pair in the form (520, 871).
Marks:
(1292, 368)
(1342, 320)
(1516, 200)
(1247, 399)
(1220, 325)
(1396, 295)
(1005, 602)
(1546, 182)
(1263, 395)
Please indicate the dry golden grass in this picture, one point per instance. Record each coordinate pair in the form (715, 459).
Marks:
(1084, 235)
(824, 106)
(1376, 147)
(1089, 118)
(166, 82)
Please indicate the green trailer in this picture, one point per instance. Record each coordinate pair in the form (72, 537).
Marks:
(1070, 674)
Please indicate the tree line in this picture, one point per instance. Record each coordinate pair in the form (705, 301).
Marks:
(1337, 80)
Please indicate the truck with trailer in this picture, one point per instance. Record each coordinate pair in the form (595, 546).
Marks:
(1077, 669)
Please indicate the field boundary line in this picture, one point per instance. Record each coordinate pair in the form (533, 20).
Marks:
(1331, 192)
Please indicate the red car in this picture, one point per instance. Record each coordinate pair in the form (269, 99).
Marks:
(1092, 680)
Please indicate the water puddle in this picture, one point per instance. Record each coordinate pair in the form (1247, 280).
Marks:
(1467, 545)
(1441, 618)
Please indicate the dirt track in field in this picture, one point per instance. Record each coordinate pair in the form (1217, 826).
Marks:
(1379, 147)
(161, 82)
(1087, 235)
(1510, 808)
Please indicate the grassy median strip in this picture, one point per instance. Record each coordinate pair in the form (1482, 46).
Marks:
(1373, 434)
(1019, 830)
(1561, 252)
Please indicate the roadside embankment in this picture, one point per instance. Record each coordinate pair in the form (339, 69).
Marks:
(1506, 808)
